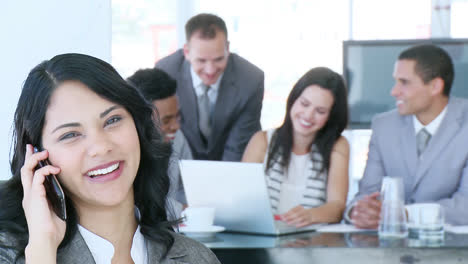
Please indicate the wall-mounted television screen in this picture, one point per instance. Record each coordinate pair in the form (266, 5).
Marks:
(368, 68)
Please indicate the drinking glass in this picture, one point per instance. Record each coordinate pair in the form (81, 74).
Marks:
(392, 214)
(426, 221)
(392, 189)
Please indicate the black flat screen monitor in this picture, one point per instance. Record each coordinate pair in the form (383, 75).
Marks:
(368, 68)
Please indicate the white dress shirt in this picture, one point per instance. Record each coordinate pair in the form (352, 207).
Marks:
(432, 126)
(198, 86)
(103, 250)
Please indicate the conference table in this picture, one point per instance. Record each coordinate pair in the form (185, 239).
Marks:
(321, 247)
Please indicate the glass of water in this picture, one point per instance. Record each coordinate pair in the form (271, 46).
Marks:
(426, 221)
(392, 213)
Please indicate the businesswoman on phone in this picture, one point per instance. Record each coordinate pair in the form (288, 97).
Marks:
(111, 161)
(306, 158)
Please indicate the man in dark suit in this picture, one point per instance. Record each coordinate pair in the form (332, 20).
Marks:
(160, 89)
(220, 93)
(423, 141)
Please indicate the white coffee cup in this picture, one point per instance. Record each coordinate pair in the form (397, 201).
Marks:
(198, 217)
(424, 213)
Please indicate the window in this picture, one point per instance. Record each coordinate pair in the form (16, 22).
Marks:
(284, 38)
(142, 32)
(459, 19)
(396, 19)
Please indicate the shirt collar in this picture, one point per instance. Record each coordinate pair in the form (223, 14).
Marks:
(432, 126)
(103, 250)
(197, 82)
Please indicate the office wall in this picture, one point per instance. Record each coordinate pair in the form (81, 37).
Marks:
(32, 31)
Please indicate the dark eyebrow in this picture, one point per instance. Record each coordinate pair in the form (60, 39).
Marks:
(323, 108)
(75, 124)
(66, 125)
(110, 109)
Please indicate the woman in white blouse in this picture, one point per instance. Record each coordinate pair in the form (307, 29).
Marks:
(97, 131)
(306, 158)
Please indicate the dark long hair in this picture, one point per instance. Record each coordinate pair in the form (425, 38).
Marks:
(151, 183)
(282, 139)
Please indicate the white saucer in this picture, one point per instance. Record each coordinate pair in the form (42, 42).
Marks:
(201, 232)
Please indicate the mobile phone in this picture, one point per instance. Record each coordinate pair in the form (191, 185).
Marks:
(54, 191)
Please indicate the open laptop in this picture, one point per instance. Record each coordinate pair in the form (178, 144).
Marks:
(239, 193)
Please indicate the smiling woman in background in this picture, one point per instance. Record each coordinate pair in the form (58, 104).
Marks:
(111, 161)
(306, 158)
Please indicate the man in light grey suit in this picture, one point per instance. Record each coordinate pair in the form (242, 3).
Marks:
(220, 93)
(424, 141)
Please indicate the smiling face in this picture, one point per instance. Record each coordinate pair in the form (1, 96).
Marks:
(95, 143)
(412, 95)
(311, 110)
(208, 57)
(169, 114)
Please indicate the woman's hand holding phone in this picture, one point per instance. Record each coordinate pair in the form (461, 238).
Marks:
(46, 229)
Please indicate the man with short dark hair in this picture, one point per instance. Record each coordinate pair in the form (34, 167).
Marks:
(220, 93)
(160, 89)
(424, 141)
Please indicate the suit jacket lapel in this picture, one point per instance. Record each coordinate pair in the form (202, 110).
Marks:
(444, 134)
(76, 252)
(155, 249)
(225, 102)
(189, 101)
(408, 143)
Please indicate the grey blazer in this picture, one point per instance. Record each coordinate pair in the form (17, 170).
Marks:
(236, 113)
(440, 175)
(176, 195)
(184, 250)
(180, 151)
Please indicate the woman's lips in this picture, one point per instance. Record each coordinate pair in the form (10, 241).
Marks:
(105, 173)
